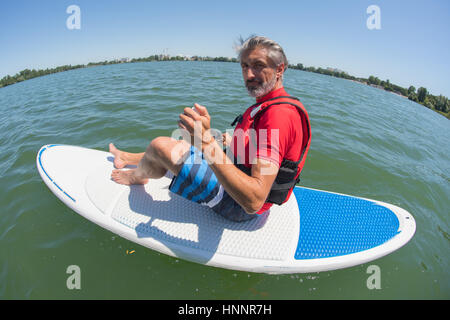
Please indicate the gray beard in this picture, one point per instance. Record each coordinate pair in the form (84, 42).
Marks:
(262, 89)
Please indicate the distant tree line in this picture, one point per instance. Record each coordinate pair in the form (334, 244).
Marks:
(30, 74)
(182, 58)
(439, 103)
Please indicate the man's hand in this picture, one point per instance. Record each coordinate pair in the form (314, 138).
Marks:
(226, 139)
(198, 123)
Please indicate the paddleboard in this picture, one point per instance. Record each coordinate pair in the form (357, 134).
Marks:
(313, 231)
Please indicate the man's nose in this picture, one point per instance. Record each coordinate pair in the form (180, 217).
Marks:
(249, 73)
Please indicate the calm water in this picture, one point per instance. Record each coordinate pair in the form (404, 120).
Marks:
(365, 142)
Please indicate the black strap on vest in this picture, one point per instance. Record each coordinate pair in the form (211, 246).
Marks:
(237, 119)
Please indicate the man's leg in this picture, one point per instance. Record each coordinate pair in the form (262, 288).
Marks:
(163, 153)
(122, 158)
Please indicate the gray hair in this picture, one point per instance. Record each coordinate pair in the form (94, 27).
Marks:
(275, 52)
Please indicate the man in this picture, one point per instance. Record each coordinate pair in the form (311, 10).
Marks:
(265, 167)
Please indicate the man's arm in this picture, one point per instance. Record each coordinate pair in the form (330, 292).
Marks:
(249, 191)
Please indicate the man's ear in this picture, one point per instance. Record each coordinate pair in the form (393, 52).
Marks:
(280, 70)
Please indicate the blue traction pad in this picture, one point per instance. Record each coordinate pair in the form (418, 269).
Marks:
(334, 225)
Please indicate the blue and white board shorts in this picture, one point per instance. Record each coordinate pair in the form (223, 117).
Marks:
(197, 182)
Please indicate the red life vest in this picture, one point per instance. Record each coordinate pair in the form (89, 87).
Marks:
(289, 172)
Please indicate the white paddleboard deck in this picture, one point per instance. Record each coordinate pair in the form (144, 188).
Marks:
(313, 231)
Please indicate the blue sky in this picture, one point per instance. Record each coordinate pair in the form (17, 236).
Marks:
(411, 47)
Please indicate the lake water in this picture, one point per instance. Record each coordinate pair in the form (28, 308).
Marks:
(365, 142)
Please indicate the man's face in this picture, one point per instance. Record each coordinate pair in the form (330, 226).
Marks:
(259, 72)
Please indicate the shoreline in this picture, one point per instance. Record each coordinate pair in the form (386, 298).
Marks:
(439, 104)
(378, 87)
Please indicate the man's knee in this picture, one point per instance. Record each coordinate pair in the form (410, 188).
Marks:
(167, 150)
(156, 146)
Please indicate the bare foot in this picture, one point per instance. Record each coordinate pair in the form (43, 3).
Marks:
(127, 177)
(119, 162)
